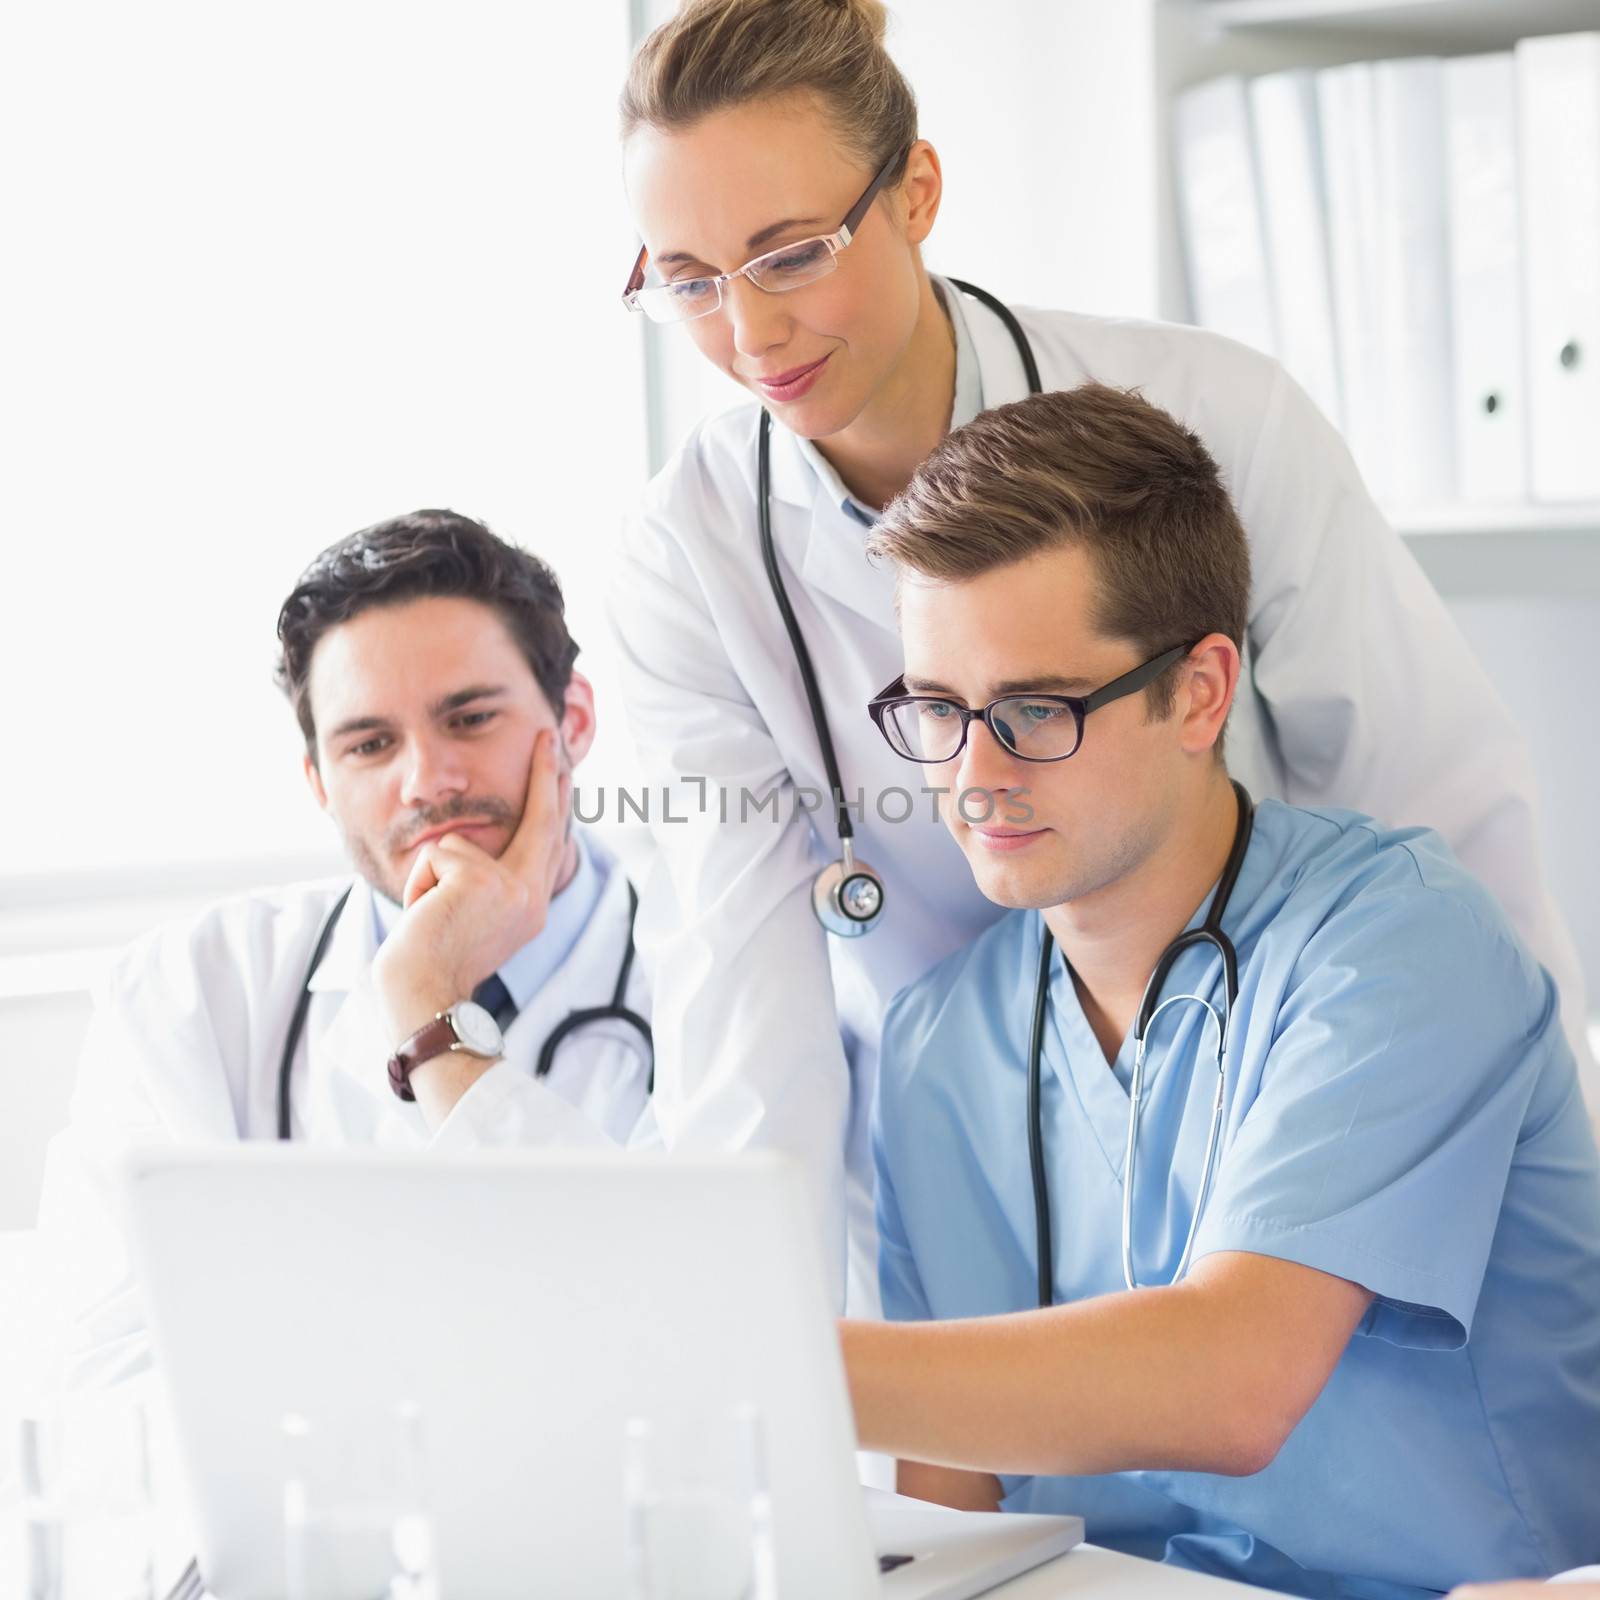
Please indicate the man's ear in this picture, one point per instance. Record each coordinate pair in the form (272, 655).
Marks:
(577, 719)
(314, 782)
(1208, 693)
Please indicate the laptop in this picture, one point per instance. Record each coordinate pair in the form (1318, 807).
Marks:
(528, 1306)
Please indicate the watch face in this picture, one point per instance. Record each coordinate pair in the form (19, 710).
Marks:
(476, 1029)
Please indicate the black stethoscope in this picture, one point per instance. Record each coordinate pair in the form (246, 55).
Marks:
(848, 896)
(616, 1010)
(1150, 1006)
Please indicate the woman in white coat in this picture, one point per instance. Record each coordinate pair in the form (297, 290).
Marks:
(783, 196)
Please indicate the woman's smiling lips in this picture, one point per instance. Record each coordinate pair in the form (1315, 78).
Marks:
(795, 382)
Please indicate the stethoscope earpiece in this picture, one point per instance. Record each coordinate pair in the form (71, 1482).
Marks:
(848, 896)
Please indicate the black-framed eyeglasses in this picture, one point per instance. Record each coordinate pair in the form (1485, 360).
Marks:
(790, 266)
(1033, 727)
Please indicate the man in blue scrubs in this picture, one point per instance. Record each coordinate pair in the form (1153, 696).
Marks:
(1380, 1372)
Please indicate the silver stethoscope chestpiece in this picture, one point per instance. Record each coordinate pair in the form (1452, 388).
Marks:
(848, 896)
(861, 897)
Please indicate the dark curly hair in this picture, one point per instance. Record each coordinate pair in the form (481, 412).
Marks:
(415, 557)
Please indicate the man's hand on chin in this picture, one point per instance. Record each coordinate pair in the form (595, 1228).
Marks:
(465, 913)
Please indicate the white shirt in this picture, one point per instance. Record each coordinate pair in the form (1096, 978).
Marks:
(185, 1047)
(1359, 691)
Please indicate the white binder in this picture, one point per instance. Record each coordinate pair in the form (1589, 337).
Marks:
(1221, 209)
(1414, 291)
(1283, 111)
(1558, 97)
(1350, 181)
(1486, 277)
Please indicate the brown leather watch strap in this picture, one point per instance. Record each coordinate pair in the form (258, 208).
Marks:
(430, 1040)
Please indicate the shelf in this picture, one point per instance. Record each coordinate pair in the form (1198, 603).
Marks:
(1548, 552)
(1498, 521)
(1451, 24)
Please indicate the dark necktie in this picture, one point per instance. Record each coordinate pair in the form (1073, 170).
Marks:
(495, 998)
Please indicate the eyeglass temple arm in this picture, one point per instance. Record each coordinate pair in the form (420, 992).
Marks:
(636, 277)
(1130, 682)
(853, 220)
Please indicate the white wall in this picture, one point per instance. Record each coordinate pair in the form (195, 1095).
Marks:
(41, 1036)
(1044, 117)
(276, 273)
(1540, 651)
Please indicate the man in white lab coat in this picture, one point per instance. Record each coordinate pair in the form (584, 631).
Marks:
(427, 1004)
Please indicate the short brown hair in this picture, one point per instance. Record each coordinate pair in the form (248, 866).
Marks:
(416, 557)
(1091, 466)
(717, 54)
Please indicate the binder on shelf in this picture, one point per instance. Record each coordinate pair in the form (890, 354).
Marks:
(1558, 103)
(1349, 127)
(1283, 114)
(1221, 211)
(1491, 410)
(1417, 358)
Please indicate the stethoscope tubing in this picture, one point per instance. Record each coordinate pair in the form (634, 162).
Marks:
(1150, 1006)
(847, 867)
(797, 640)
(297, 1021)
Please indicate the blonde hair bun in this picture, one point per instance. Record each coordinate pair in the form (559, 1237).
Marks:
(714, 55)
(871, 15)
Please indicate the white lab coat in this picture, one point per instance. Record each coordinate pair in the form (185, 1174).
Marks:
(185, 1047)
(1359, 692)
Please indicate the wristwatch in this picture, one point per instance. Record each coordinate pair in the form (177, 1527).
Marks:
(466, 1027)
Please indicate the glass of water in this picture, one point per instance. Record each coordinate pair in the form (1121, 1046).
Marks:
(355, 1518)
(86, 1514)
(699, 1509)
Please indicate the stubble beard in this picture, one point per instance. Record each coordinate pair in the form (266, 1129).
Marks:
(1065, 880)
(372, 864)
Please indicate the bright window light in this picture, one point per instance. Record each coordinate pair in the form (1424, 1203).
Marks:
(275, 273)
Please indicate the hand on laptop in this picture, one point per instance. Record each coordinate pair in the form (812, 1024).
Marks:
(466, 911)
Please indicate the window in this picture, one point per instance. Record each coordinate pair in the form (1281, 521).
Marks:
(276, 273)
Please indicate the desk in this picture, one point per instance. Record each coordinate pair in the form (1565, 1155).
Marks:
(1087, 1573)
(1096, 1574)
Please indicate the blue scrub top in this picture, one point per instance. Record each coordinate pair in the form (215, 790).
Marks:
(1402, 1110)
